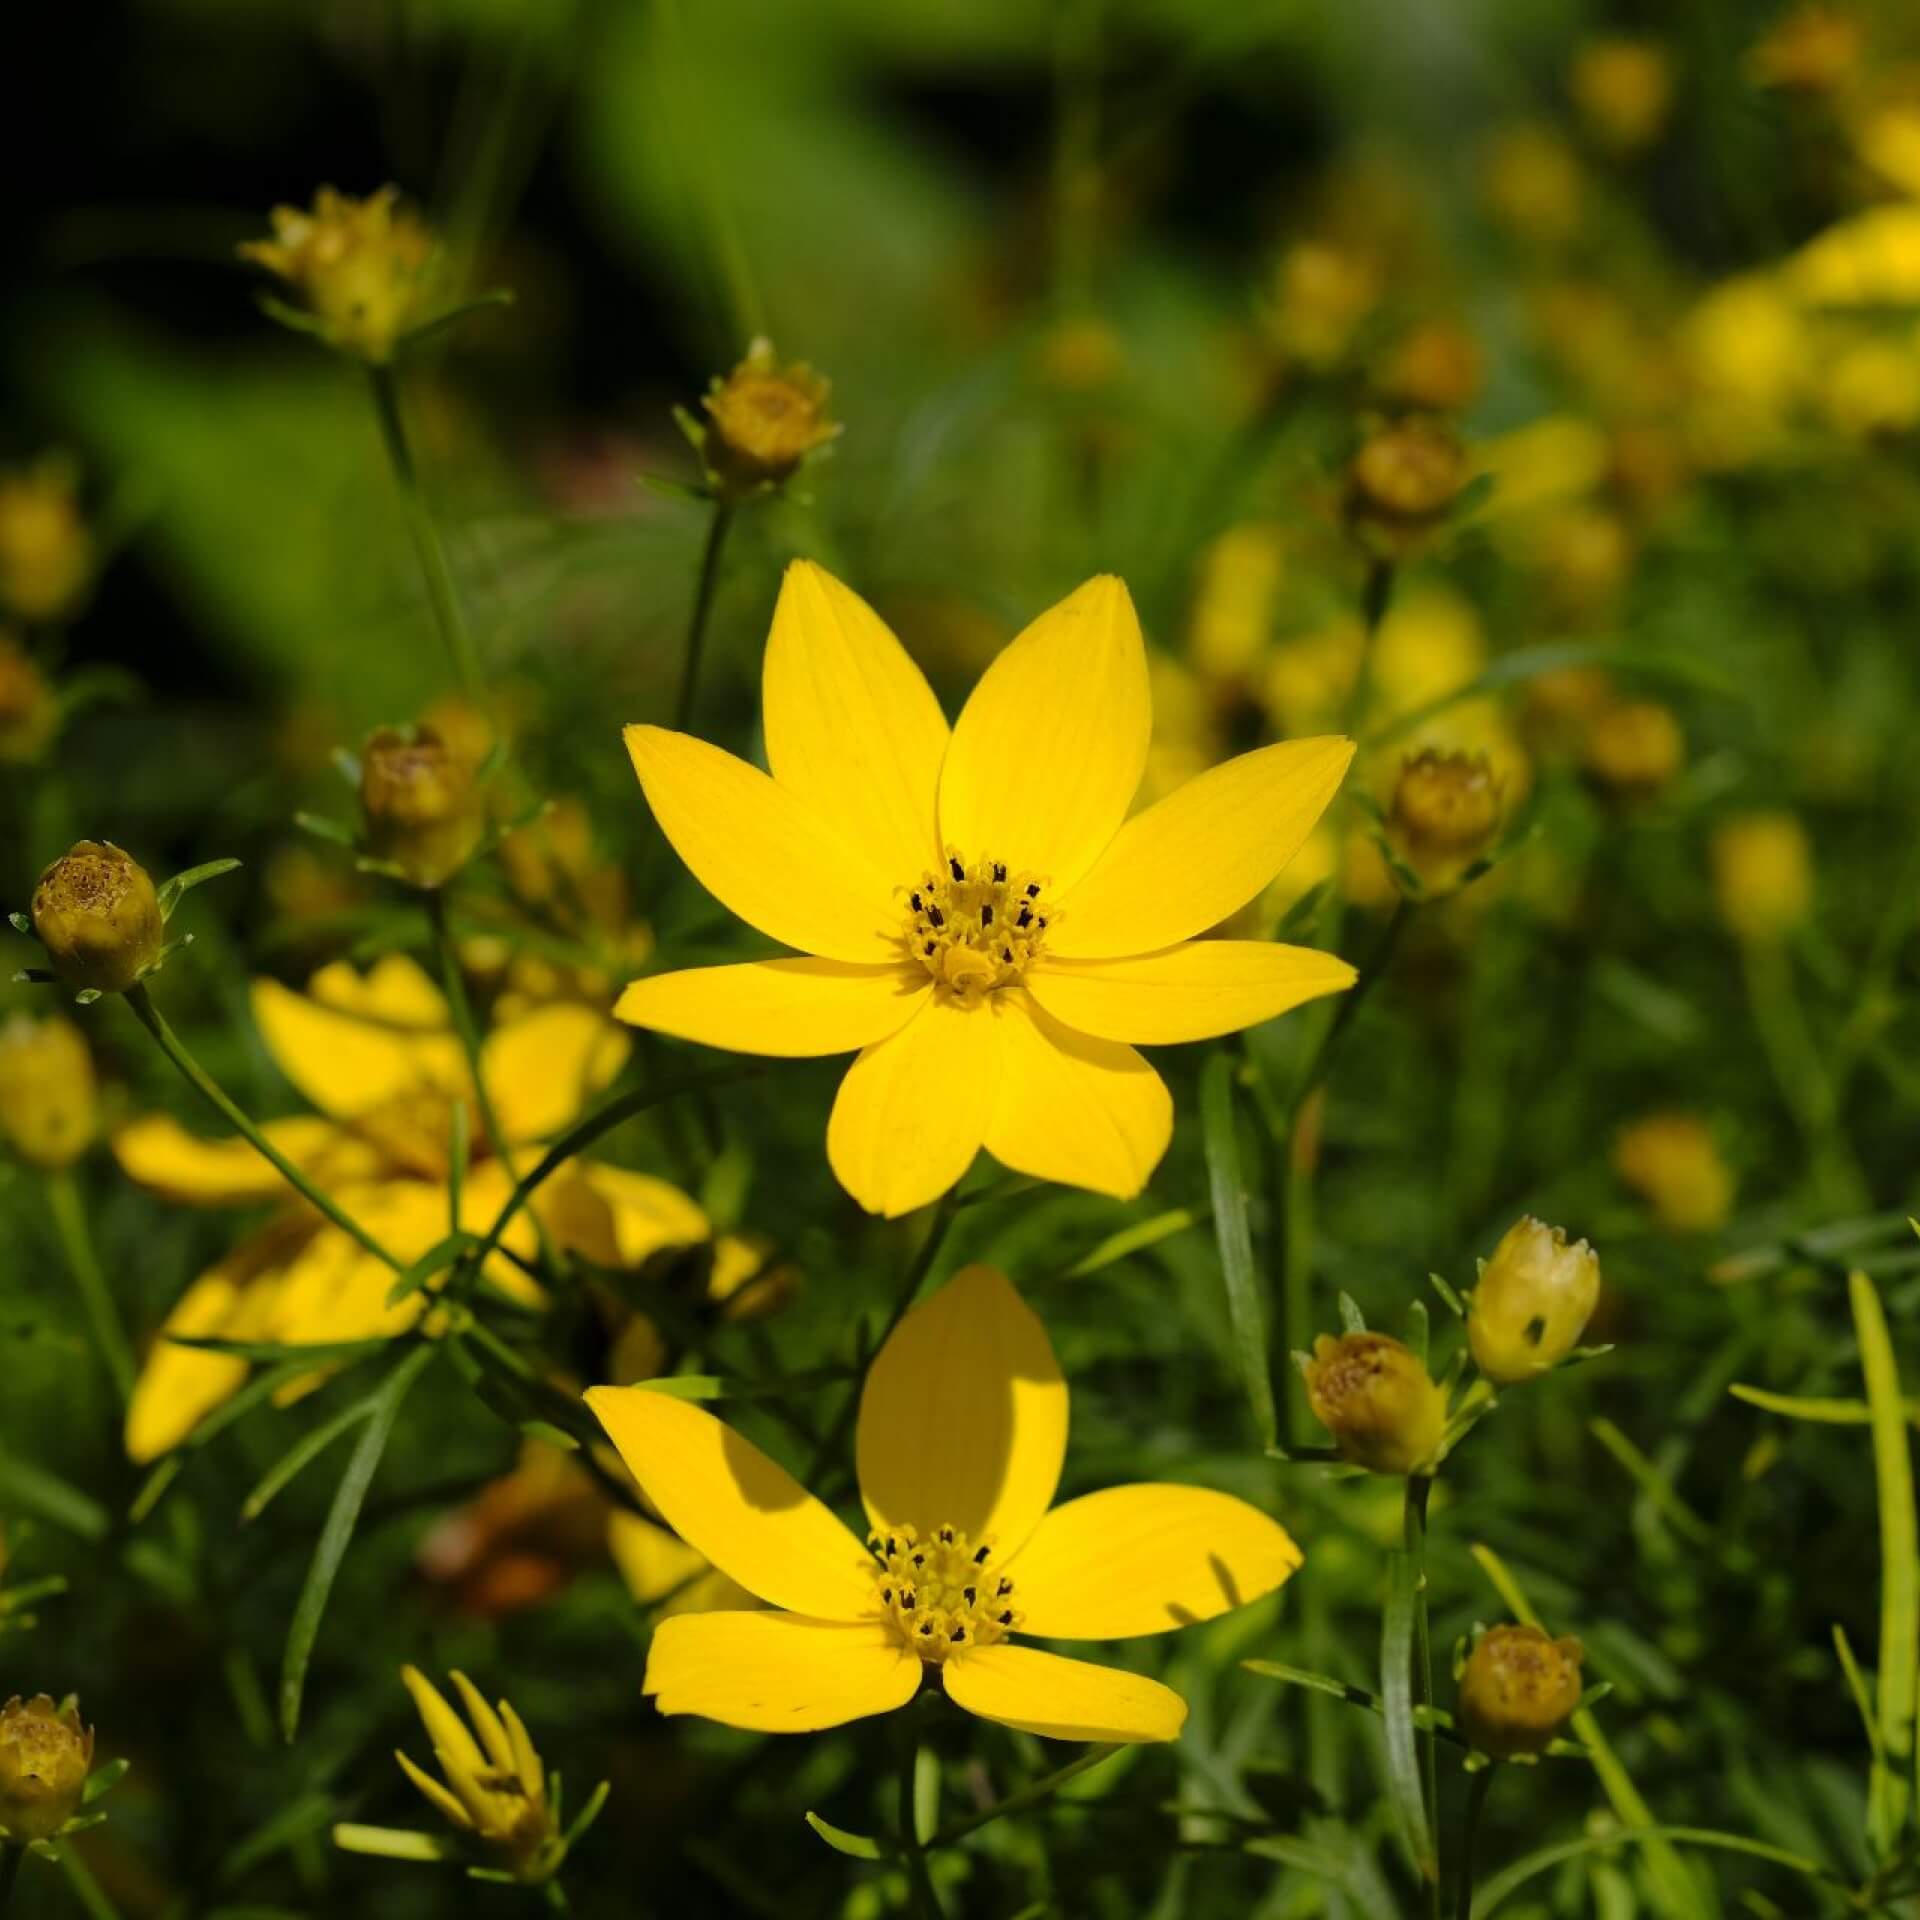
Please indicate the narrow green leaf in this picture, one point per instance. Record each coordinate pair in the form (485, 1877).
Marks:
(1396, 1700)
(1134, 1239)
(1826, 1411)
(1419, 1331)
(31, 1489)
(436, 1260)
(309, 1354)
(1857, 1687)
(856, 1846)
(302, 1454)
(392, 1843)
(171, 890)
(1888, 1790)
(1352, 1320)
(1235, 1238)
(587, 1814)
(1449, 1295)
(337, 1534)
(104, 1780)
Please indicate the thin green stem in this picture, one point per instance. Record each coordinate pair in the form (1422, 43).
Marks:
(1352, 1000)
(427, 543)
(1076, 153)
(70, 1220)
(1478, 1785)
(1026, 1799)
(10, 1858)
(1801, 1075)
(1419, 1493)
(926, 1902)
(702, 610)
(150, 1017)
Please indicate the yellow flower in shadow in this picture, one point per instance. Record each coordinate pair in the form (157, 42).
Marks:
(961, 1436)
(977, 915)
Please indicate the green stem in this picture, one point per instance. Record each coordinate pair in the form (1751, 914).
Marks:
(1027, 1798)
(10, 1858)
(926, 1902)
(1351, 1001)
(70, 1219)
(702, 609)
(1801, 1075)
(1478, 1785)
(150, 1017)
(1076, 153)
(1419, 1493)
(427, 543)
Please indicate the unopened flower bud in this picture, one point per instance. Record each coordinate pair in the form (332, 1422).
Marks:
(96, 913)
(1623, 89)
(1444, 815)
(1762, 875)
(1533, 1302)
(1402, 482)
(763, 421)
(1672, 1161)
(1437, 368)
(29, 707)
(46, 555)
(1634, 747)
(1815, 49)
(422, 805)
(361, 267)
(1381, 1405)
(48, 1107)
(45, 1756)
(1519, 1688)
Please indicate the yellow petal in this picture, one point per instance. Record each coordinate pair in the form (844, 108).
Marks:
(1084, 1111)
(1062, 1699)
(777, 1672)
(526, 1760)
(543, 1068)
(393, 992)
(486, 1723)
(158, 1152)
(1186, 993)
(727, 1500)
(346, 1059)
(852, 727)
(448, 1732)
(1049, 749)
(963, 1418)
(1200, 854)
(912, 1111)
(437, 1795)
(667, 1575)
(481, 1197)
(791, 1008)
(1145, 1559)
(616, 1218)
(334, 1289)
(764, 854)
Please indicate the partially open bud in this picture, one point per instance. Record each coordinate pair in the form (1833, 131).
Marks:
(29, 707)
(1402, 482)
(1533, 1302)
(96, 913)
(361, 267)
(422, 805)
(46, 554)
(763, 421)
(48, 1105)
(1381, 1405)
(45, 1756)
(1762, 875)
(1519, 1688)
(1444, 815)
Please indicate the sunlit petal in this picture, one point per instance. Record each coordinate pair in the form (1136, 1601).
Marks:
(1062, 1699)
(350, 1051)
(790, 1008)
(778, 1672)
(543, 1068)
(156, 1150)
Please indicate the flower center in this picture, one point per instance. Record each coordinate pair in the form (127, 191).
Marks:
(975, 927)
(942, 1593)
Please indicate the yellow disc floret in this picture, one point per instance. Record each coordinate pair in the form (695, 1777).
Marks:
(942, 1593)
(976, 927)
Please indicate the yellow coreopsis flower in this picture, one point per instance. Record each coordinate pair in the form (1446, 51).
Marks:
(378, 1056)
(975, 912)
(962, 1431)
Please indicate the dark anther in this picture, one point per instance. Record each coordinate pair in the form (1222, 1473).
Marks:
(919, 1559)
(1005, 1588)
(980, 1555)
(932, 945)
(916, 904)
(1043, 923)
(938, 918)
(959, 872)
(946, 1536)
(957, 1635)
(969, 1592)
(890, 1546)
(1026, 914)
(1033, 890)
(986, 916)
(909, 1599)
(1006, 1619)
(926, 1632)
(1006, 954)
(886, 1596)
(999, 871)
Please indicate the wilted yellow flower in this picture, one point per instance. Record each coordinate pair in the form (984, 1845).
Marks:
(1532, 184)
(1623, 89)
(967, 1547)
(1762, 874)
(763, 421)
(1322, 292)
(48, 1104)
(1402, 482)
(97, 914)
(1671, 1161)
(983, 922)
(1444, 815)
(1519, 1688)
(29, 707)
(46, 553)
(1434, 369)
(1381, 1405)
(495, 1793)
(46, 1754)
(1815, 48)
(1634, 747)
(362, 267)
(1533, 1301)
(423, 808)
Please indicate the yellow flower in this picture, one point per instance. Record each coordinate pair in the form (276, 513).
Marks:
(764, 420)
(1444, 815)
(46, 555)
(1322, 292)
(361, 266)
(1533, 1302)
(1671, 1161)
(1762, 875)
(974, 915)
(378, 1056)
(1816, 48)
(49, 1108)
(1436, 368)
(1634, 747)
(45, 1756)
(1532, 184)
(1867, 259)
(495, 1792)
(1622, 88)
(29, 707)
(962, 1432)
(423, 808)
(1517, 1690)
(97, 914)
(1372, 1394)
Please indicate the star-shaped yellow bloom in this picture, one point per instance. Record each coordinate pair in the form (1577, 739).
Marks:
(962, 1432)
(979, 917)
